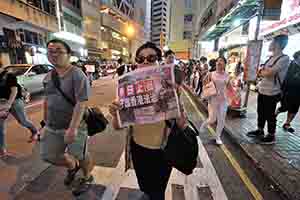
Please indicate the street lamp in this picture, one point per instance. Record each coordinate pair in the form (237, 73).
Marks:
(130, 33)
(130, 30)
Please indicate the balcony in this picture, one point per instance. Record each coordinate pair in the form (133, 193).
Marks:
(30, 13)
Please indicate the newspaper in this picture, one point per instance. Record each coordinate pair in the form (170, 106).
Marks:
(147, 96)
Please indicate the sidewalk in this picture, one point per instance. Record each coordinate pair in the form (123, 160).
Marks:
(279, 162)
(25, 164)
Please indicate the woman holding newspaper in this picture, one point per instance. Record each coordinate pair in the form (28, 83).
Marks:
(217, 104)
(152, 170)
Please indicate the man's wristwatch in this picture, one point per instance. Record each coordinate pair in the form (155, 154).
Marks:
(43, 123)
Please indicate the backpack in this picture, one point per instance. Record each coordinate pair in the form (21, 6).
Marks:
(277, 78)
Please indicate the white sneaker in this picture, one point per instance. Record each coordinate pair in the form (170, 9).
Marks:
(219, 141)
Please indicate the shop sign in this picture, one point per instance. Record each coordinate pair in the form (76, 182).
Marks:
(224, 6)
(252, 60)
(290, 15)
(294, 19)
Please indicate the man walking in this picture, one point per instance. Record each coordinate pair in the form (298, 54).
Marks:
(64, 141)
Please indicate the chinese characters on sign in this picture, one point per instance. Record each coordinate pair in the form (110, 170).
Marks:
(147, 96)
(252, 60)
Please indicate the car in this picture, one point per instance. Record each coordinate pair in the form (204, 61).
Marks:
(30, 76)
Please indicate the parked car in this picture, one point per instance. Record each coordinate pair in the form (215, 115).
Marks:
(30, 76)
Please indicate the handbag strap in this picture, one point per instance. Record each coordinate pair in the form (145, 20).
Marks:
(194, 127)
(56, 82)
(172, 123)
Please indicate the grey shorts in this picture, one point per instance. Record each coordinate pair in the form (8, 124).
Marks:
(53, 146)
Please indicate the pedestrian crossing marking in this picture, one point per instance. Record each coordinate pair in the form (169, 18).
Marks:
(202, 177)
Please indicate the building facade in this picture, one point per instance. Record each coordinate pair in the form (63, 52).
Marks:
(227, 25)
(24, 29)
(92, 28)
(182, 23)
(123, 27)
(160, 24)
(71, 27)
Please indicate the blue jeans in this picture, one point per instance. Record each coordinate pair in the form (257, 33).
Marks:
(18, 111)
(2, 131)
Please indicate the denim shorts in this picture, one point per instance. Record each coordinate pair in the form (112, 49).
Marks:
(53, 146)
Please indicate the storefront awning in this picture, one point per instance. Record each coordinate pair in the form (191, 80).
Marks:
(237, 16)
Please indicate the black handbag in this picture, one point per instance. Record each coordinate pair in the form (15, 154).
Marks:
(181, 150)
(94, 118)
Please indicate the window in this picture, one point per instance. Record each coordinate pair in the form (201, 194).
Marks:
(157, 20)
(188, 19)
(47, 68)
(157, 15)
(188, 3)
(38, 69)
(157, 4)
(187, 35)
(157, 9)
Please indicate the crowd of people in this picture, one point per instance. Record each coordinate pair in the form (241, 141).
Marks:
(63, 136)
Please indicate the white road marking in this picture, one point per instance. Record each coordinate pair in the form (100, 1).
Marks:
(116, 178)
(202, 177)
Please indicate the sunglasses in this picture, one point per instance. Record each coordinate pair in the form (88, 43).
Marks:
(150, 59)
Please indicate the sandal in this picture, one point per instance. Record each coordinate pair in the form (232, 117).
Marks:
(288, 128)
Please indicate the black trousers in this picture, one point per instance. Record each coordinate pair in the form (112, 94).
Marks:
(199, 87)
(266, 107)
(151, 169)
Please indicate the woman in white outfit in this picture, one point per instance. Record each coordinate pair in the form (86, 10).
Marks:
(217, 105)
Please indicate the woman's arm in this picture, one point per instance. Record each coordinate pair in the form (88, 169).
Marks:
(113, 108)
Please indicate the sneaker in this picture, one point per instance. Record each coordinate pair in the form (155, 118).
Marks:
(288, 128)
(83, 186)
(269, 139)
(219, 141)
(71, 173)
(256, 133)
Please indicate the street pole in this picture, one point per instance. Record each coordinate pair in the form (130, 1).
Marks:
(259, 18)
(130, 49)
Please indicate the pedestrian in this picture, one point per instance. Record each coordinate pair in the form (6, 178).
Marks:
(169, 57)
(269, 90)
(217, 105)
(212, 65)
(12, 102)
(122, 68)
(64, 141)
(151, 168)
(189, 73)
(203, 72)
(291, 99)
